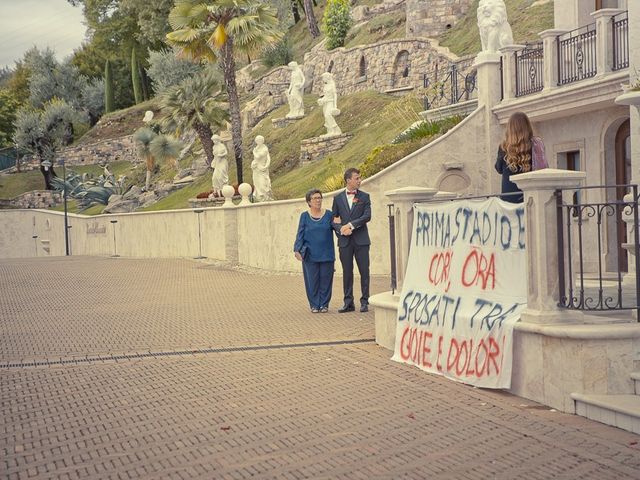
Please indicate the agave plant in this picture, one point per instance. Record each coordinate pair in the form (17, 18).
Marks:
(88, 190)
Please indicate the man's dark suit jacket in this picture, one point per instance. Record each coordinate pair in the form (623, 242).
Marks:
(358, 216)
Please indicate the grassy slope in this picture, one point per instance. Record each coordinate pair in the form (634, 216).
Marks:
(369, 116)
(388, 26)
(526, 23)
(18, 183)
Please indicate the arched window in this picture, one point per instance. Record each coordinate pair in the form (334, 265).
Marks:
(401, 68)
(363, 66)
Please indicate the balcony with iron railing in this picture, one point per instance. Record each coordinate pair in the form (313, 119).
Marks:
(564, 60)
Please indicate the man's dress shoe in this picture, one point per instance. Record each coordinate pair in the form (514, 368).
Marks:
(347, 308)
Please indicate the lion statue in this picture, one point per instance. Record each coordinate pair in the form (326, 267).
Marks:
(495, 31)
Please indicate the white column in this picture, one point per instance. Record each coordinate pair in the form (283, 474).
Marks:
(403, 200)
(550, 53)
(509, 70)
(604, 39)
(489, 81)
(541, 243)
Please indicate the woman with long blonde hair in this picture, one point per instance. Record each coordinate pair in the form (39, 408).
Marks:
(519, 152)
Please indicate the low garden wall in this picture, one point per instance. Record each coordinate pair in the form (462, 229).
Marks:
(257, 235)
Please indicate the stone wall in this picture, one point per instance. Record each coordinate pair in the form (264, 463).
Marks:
(37, 199)
(430, 18)
(107, 151)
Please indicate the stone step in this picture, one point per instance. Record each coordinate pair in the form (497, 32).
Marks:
(635, 376)
(622, 411)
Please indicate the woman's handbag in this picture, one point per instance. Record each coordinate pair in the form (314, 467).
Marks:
(538, 156)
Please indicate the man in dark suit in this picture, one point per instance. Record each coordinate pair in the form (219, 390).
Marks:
(351, 212)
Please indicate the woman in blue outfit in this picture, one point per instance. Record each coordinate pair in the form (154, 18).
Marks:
(314, 248)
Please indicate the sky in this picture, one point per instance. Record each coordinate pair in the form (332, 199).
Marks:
(43, 23)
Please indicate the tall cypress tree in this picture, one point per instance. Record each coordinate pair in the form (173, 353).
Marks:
(108, 88)
(135, 77)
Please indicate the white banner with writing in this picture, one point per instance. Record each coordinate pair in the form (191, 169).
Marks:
(465, 287)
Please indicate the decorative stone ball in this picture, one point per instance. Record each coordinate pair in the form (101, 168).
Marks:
(244, 189)
(228, 191)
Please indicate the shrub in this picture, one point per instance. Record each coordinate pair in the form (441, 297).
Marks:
(427, 129)
(279, 54)
(336, 22)
(386, 155)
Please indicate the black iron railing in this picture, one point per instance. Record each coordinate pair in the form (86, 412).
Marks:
(584, 283)
(529, 70)
(577, 54)
(451, 89)
(392, 248)
(620, 39)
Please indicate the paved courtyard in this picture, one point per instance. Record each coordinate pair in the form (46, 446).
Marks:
(160, 368)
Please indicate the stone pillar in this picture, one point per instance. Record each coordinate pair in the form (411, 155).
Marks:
(550, 52)
(509, 70)
(634, 77)
(403, 200)
(541, 245)
(489, 81)
(604, 39)
(488, 78)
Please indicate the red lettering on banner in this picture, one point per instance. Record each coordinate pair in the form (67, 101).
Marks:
(415, 345)
(477, 269)
(494, 351)
(440, 268)
(465, 359)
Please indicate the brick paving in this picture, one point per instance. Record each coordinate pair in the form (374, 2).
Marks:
(279, 408)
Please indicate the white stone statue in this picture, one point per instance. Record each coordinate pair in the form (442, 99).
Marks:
(260, 167)
(295, 92)
(329, 104)
(495, 31)
(220, 165)
(148, 116)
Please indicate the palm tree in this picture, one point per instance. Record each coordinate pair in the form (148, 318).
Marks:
(216, 29)
(195, 104)
(143, 138)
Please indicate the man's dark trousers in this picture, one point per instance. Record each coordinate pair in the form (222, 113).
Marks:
(361, 254)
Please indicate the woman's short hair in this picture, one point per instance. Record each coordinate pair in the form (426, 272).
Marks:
(311, 193)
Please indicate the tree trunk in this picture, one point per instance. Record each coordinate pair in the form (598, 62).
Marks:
(229, 69)
(312, 23)
(48, 175)
(204, 134)
(294, 10)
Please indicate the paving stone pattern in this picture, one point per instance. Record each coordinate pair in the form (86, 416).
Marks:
(321, 412)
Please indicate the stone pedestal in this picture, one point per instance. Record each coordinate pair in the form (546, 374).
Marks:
(283, 122)
(316, 148)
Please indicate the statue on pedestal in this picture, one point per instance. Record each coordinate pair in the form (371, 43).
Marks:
(260, 167)
(495, 31)
(220, 165)
(329, 104)
(295, 92)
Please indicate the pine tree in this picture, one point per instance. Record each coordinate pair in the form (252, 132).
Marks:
(108, 88)
(135, 77)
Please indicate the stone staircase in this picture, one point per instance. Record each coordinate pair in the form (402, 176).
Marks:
(622, 411)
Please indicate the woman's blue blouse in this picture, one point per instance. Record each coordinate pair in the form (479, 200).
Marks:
(317, 236)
